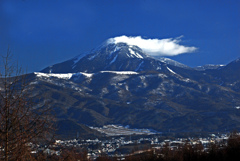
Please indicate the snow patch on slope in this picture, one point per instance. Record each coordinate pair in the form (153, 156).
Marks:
(135, 54)
(209, 66)
(70, 75)
(89, 75)
(171, 70)
(115, 50)
(61, 76)
(92, 57)
(120, 72)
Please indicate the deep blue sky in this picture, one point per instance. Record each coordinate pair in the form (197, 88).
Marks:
(44, 32)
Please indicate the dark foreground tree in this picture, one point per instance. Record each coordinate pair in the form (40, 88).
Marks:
(23, 126)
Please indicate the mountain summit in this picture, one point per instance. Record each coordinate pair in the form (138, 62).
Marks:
(112, 57)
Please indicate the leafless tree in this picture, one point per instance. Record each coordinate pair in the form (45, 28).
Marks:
(22, 127)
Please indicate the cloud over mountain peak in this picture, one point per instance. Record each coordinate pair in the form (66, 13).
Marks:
(155, 47)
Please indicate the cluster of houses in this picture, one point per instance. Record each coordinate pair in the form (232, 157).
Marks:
(113, 146)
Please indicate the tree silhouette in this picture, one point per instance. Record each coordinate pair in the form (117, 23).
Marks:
(23, 126)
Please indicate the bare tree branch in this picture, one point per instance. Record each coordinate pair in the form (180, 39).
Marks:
(20, 123)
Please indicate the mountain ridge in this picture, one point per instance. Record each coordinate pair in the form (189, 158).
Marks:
(120, 84)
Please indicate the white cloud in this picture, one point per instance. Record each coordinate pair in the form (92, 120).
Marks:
(156, 47)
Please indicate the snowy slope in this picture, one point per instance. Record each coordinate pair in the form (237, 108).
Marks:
(113, 57)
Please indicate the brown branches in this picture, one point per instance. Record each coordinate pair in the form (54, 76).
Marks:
(21, 124)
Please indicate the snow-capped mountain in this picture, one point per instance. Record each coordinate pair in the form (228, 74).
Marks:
(113, 57)
(118, 83)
